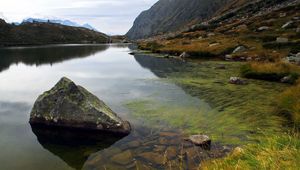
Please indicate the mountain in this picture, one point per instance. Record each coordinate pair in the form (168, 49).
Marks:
(260, 30)
(40, 33)
(172, 15)
(57, 21)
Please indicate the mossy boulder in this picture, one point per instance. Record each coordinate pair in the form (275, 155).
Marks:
(67, 105)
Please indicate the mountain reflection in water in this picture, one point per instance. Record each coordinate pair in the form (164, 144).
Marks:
(46, 54)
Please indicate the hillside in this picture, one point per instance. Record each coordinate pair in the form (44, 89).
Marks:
(47, 33)
(266, 30)
(172, 15)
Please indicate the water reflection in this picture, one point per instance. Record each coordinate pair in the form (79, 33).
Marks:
(160, 66)
(46, 54)
(73, 147)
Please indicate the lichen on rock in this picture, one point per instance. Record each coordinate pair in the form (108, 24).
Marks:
(71, 106)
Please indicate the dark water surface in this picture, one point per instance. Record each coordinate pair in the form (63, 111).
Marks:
(114, 76)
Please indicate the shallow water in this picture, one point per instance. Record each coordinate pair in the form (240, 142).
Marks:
(109, 72)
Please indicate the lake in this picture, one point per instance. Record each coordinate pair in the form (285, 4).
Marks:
(162, 98)
(108, 71)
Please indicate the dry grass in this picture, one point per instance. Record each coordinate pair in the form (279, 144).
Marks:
(289, 103)
(271, 71)
(273, 152)
(277, 67)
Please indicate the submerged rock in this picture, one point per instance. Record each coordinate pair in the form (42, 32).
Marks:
(200, 140)
(155, 158)
(123, 158)
(70, 106)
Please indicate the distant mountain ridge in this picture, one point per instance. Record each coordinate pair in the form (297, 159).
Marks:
(41, 33)
(58, 21)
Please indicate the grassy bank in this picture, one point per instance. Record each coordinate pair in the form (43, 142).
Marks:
(271, 71)
(289, 104)
(272, 152)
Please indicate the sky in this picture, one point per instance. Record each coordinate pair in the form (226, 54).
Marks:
(114, 17)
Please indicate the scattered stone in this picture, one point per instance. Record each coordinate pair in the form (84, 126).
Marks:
(228, 57)
(123, 158)
(287, 79)
(296, 18)
(237, 80)
(226, 149)
(214, 44)
(211, 34)
(67, 105)
(249, 59)
(200, 140)
(184, 55)
(281, 15)
(237, 151)
(282, 40)
(263, 28)
(287, 25)
(167, 56)
(294, 58)
(298, 30)
(242, 58)
(239, 49)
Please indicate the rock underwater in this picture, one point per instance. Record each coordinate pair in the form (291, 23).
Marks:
(70, 106)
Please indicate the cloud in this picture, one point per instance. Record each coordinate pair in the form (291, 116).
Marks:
(109, 16)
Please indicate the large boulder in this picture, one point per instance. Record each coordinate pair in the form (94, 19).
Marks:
(70, 106)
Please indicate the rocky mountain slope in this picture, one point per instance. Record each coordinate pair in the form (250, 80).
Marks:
(172, 15)
(47, 33)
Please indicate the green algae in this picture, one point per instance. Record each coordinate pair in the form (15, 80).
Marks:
(238, 114)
